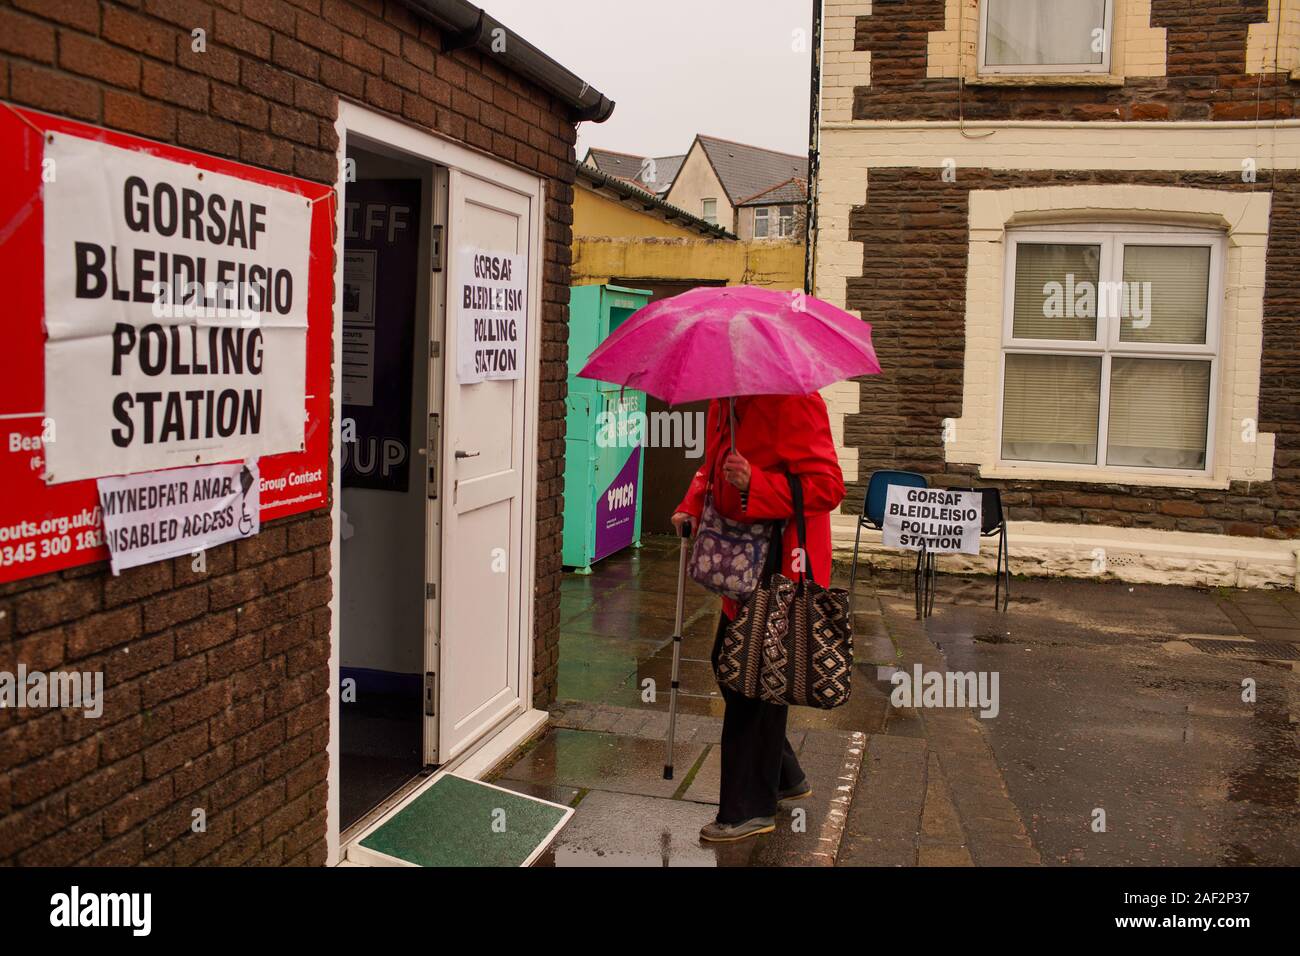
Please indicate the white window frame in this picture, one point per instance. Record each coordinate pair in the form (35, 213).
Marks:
(1106, 345)
(785, 227)
(704, 213)
(766, 217)
(1045, 69)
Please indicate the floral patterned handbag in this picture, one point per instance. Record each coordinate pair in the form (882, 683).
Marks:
(728, 556)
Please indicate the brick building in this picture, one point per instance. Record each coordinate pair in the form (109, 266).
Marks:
(222, 676)
(1073, 227)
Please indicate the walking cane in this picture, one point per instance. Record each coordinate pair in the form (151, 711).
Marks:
(685, 533)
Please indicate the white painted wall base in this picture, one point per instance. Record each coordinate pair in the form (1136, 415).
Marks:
(1136, 555)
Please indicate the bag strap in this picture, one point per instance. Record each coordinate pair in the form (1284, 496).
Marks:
(711, 464)
(796, 493)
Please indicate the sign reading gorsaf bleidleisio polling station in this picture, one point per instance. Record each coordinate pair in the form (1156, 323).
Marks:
(175, 310)
(165, 514)
(941, 521)
(492, 302)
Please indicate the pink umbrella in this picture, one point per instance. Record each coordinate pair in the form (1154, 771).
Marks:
(722, 342)
(718, 342)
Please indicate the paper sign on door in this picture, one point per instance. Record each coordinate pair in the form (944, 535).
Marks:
(492, 302)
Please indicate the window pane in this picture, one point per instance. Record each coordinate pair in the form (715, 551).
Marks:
(760, 223)
(1165, 296)
(1056, 291)
(1159, 410)
(1050, 407)
(1044, 32)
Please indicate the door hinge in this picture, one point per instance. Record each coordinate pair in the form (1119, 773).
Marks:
(430, 591)
(430, 694)
(433, 457)
(435, 349)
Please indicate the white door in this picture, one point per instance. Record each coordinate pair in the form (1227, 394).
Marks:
(482, 495)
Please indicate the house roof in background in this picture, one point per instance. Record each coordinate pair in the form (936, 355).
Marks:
(666, 168)
(745, 171)
(638, 198)
(628, 166)
(790, 191)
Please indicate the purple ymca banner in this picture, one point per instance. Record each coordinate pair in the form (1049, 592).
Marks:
(616, 509)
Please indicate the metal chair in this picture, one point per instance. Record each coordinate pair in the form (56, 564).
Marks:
(873, 516)
(993, 523)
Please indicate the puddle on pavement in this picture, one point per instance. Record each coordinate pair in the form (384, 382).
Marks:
(1268, 776)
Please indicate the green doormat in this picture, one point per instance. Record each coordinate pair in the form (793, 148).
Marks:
(459, 822)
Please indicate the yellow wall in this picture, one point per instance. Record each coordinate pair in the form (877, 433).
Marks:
(612, 239)
(774, 263)
(598, 215)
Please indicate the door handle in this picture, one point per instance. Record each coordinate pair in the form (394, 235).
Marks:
(466, 454)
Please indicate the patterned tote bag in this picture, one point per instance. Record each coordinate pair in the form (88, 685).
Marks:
(792, 640)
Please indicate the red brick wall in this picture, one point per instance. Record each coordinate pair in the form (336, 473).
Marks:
(216, 683)
(915, 235)
(1206, 73)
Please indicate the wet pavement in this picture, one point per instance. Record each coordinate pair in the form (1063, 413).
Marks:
(1121, 734)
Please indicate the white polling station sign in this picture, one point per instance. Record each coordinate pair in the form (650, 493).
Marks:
(941, 521)
(175, 311)
(165, 514)
(492, 304)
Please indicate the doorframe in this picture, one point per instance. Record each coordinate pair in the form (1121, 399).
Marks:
(423, 145)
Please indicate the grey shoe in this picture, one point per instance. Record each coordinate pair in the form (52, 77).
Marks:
(731, 832)
(800, 791)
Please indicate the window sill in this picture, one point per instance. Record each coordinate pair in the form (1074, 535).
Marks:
(1046, 79)
(1093, 476)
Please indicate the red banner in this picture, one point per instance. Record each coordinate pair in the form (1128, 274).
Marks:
(47, 527)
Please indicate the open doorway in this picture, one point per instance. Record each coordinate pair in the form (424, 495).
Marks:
(436, 491)
(391, 388)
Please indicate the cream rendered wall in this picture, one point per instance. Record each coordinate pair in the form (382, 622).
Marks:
(1264, 52)
(745, 223)
(843, 68)
(697, 181)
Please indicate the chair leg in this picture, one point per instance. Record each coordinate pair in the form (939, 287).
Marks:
(997, 577)
(917, 582)
(1006, 547)
(853, 568)
(929, 589)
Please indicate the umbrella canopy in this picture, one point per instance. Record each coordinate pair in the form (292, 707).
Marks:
(726, 341)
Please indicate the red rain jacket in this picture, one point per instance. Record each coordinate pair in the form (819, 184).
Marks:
(776, 434)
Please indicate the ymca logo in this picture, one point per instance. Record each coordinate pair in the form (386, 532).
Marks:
(621, 497)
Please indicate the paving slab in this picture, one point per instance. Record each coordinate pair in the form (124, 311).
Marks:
(617, 829)
(603, 761)
(884, 817)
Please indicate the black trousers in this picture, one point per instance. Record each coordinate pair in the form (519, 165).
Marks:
(757, 760)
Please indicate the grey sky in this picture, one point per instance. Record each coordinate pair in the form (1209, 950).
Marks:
(679, 67)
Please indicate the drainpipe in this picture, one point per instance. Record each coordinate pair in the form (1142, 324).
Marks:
(464, 25)
(814, 151)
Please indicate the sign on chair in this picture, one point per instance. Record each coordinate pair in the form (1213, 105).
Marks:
(938, 520)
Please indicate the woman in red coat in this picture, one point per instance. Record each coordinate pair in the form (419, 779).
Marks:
(775, 434)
